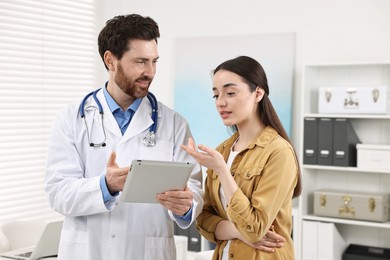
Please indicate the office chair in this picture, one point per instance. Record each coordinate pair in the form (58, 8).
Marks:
(21, 233)
(4, 244)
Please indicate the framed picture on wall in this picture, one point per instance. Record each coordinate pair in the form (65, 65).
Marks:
(196, 57)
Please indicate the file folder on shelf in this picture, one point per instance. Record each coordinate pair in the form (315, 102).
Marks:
(310, 140)
(344, 143)
(361, 252)
(322, 241)
(331, 244)
(309, 240)
(325, 141)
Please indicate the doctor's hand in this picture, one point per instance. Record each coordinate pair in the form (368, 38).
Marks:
(207, 156)
(177, 201)
(115, 176)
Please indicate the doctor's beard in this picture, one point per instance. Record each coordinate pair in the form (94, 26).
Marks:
(137, 88)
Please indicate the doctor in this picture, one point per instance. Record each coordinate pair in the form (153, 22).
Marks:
(88, 157)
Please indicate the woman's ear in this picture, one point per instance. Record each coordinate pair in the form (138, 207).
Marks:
(259, 93)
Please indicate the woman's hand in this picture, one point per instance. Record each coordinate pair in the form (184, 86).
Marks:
(226, 230)
(269, 242)
(207, 156)
(213, 160)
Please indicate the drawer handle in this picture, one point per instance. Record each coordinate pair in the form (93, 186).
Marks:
(350, 102)
(346, 209)
(371, 204)
(328, 95)
(375, 94)
(194, 240)
(323, 200)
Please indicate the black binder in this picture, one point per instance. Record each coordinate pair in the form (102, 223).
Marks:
(325, 141)
(310, 140)
(344, 143)
(360, 252)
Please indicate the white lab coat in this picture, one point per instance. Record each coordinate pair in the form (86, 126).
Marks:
(113, 231)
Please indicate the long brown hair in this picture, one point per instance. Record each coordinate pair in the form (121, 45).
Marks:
(254, 75)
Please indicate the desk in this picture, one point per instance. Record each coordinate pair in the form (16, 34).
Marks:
(181, 249)
(6, 258)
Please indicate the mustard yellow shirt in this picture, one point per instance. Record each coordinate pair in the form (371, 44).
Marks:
(266, 173)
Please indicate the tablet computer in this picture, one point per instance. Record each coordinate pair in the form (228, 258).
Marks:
(147, 178)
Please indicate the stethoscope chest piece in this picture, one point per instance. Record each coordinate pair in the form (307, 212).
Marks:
(150, 139)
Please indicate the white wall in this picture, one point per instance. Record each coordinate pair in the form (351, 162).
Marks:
(326, 30)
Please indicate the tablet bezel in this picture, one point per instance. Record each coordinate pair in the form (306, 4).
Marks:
(147, 178)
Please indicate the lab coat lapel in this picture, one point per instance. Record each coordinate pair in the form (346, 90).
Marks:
(110, 123)
(140, 122)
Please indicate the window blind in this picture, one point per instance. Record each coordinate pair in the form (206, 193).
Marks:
(48, 57)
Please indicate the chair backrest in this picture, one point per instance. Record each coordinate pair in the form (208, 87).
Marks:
(4, 244)
(22, 233)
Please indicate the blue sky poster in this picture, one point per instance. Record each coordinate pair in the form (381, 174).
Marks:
(196, 57)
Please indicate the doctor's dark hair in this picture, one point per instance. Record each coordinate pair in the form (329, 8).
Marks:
(254, 75)
(117, 32)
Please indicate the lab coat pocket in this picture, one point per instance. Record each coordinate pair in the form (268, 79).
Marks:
(162, 151)
(160, 248)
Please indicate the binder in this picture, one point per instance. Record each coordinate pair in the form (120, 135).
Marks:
(321, 241)
(194, 237)
(310, 140)
(309, 240)
(363, 252)
(331, 244)
(325, 141)
(344, 143)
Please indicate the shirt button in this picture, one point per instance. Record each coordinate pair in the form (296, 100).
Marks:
(113, 235)
(231, 255)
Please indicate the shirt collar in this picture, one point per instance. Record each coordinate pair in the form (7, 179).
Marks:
(265, 137)
(114, 106)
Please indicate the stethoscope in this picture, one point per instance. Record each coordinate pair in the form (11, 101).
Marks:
(149, 139)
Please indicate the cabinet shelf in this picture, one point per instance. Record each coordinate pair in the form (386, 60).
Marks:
(348, 221)
(369, 128)
(346, 169)
(349, 116)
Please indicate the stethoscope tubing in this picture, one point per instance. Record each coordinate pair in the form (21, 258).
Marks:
(152, 130)
(154, 104)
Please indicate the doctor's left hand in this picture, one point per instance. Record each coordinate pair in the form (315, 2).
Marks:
(115, 176)
(177, 201)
